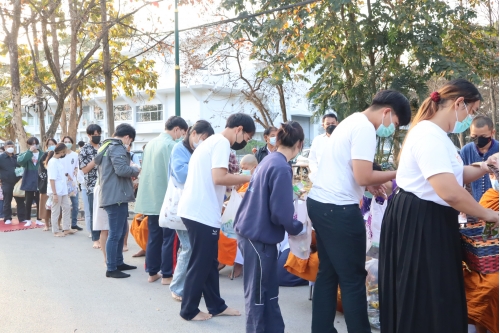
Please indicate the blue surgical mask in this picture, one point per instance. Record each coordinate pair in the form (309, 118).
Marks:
(368, 195)
(272, 141)
(461, 126)
(51, 148)
(69, 145)
(494, 184)
(385, 131)
(246, 172)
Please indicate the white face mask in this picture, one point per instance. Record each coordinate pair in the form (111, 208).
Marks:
(10, 150)
(196, 144)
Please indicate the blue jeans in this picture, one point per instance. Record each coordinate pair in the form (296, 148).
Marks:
(177, 285)
(74, 210)
(1, 209)
(118, 228)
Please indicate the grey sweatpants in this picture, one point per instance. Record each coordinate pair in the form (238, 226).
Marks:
(260, 281)
(63, 203)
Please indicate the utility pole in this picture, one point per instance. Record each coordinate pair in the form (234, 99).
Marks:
(107, 72)
(177, 68)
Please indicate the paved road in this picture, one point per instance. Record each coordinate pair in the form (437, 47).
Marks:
(58, 285)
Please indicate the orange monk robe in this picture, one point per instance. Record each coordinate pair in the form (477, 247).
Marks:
(481, 290)
(243, 188)
(228, 246)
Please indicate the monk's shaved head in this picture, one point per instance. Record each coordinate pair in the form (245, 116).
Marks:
(249, 161)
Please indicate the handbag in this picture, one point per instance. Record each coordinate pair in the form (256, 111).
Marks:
(168, 213)
(17, 189)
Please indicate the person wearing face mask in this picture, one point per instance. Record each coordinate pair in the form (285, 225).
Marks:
(71, 162)
(483, 145)
(8, 165)
(264, 215)
(200, 209)
(270, 138)
(45, 214)
(162, 242)
(178, 169)
(85, 158)
(421, 285)
(333, 208)
(30, 161)
(329, 123)
(115, 176)
(57, 189)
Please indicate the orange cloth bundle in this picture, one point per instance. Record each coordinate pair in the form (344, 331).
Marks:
(243, 188)
(490, 199)
(227, 250)
(303, 268)
(139, 230)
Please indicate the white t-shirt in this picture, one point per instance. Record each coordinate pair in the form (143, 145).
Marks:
(315, 154)
(71, 163)
(201, 200)
(56, 170)
(428, 151)
(353, 139)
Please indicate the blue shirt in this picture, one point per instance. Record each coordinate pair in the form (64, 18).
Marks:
(179, 163)
(470, 154)
(267, 210)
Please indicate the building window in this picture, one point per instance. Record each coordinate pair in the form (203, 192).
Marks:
(150, 112)
(85, 119)
(122, 112)
(98, 113)
(28, 117)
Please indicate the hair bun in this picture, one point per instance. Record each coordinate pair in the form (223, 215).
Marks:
(435, 97)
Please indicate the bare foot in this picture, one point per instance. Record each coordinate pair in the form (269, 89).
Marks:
(15, 222)
(125, 248)
(69, 232)
(166, 281)
(154, 278)
(46, 229)
(238, 269)
(176, 297)
(221, 266)
(59, 234)
(141, 253)
(96, 245)
(229, 312)
(202, 316)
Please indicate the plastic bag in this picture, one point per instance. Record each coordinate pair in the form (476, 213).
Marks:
(374, 224)
(300, 245)
(227, 220)
(168, 213)
(48, 203)
(19, 171)
(17, 190)
(72, 188)
(371, 267)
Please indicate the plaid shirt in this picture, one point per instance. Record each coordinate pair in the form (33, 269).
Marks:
(234, 166)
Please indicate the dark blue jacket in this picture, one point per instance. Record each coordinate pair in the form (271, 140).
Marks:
(8, 165)
(470, 154)
(267, 210)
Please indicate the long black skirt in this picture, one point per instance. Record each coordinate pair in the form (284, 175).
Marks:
(421, 284)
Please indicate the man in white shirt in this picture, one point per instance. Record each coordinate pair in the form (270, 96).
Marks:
(333, 206)
(71, 170)
(329, 122)
(200, 208)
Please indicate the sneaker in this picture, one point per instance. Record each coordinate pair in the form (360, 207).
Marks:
(125, 267)
(117, 274)
(28, 223)
(76, 227)
(8, 222)
(38, 222)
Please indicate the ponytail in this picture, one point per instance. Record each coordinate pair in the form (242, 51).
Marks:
(289, 133)
(59, 148)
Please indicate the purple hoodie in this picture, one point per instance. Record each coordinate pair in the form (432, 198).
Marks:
(267, 210)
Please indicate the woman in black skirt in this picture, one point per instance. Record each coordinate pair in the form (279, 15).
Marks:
(421, 280)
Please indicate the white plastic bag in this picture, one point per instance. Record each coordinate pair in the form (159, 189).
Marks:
(371, 267)
(300, 245)
(168, 213)
(227, 220)
(375, 220)
(48, 203)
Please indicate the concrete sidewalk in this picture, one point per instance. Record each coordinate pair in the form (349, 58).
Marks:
(59, 285)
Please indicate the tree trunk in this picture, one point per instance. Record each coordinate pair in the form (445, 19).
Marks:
(281, 94)
(493, 103)
(73, 108)
(55, 54)
(107, 72)
(11, 40)
(38, 92)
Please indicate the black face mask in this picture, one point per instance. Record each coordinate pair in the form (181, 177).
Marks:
(239, 145)
(96, 139)
(482, 141)
(330, 129)
(63, 156)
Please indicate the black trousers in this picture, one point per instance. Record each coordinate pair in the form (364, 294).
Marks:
(8, 194)
(341, 241)
(96, 234)
(161, 250)
(202, 274)
(32, 196)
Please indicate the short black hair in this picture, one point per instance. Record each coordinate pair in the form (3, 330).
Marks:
(175, 121)
(329, 115)
(289, 133)
(396, 101)
(92, 128)
(9, 143)
(68, 137)
(241, 119)
(33, 141)
(481, 121)
(81, 144)
(270, 129)
(124, 130)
